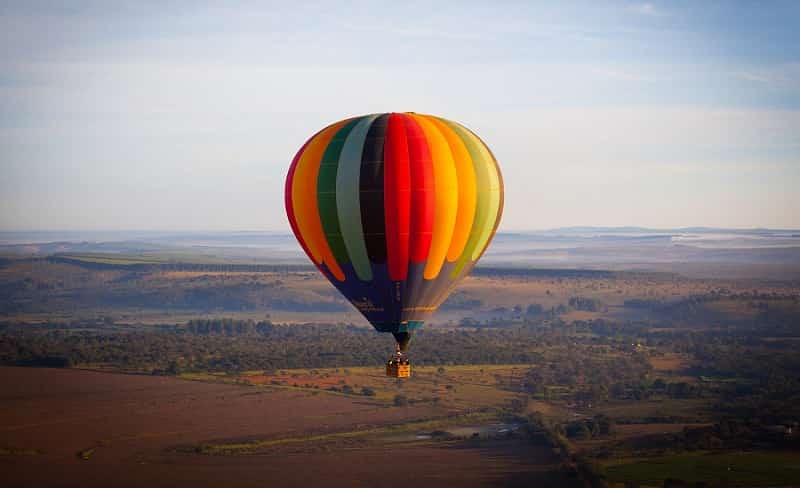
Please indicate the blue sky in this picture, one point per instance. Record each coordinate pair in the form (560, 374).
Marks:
(183, 115)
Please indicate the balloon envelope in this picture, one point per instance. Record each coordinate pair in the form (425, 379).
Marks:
(394, 209)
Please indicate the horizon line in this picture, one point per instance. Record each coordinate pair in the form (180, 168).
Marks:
(508, 231)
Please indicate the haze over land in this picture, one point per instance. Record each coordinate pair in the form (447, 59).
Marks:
(700, 252)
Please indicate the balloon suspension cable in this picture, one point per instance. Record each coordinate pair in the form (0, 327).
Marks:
(403, 339)
(400, 355)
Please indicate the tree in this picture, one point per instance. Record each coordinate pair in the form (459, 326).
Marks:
(174, 368)
(578, 430)
(606, 424)
(534, 309)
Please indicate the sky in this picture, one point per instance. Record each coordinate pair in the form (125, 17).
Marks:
(178, 115)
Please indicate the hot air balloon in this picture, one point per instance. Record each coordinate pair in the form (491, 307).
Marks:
(394, 209)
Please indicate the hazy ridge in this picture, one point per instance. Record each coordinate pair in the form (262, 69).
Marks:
(696, 251)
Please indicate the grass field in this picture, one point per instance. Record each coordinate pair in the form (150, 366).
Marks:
(117, 259)
(454, 387)
(745, 469)
(691, 409)
(375, 434)
(159, 257)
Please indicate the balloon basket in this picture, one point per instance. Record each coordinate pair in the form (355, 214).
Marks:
(398, 368)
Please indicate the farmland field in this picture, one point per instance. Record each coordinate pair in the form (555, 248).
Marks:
(82, 428)
(745, 469)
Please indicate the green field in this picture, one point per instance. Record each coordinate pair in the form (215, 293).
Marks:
(737, 469)
(161, 257)
(115, 259)
(694, 409)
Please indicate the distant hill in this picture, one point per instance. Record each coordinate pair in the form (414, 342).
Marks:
(696, 251)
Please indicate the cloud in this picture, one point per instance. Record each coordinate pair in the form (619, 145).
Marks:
(647, 9)
(626, 74)
(784, 75)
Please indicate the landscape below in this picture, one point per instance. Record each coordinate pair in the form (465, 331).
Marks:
(179, 371)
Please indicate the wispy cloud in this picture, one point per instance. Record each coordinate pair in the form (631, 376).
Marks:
(785, 75)
(623, 74)
(648, 9)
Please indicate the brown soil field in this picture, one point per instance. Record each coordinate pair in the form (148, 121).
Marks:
(82, 428)
(669, 363)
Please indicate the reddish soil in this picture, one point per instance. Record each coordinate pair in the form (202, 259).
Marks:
(309, 381)
(134, 423)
